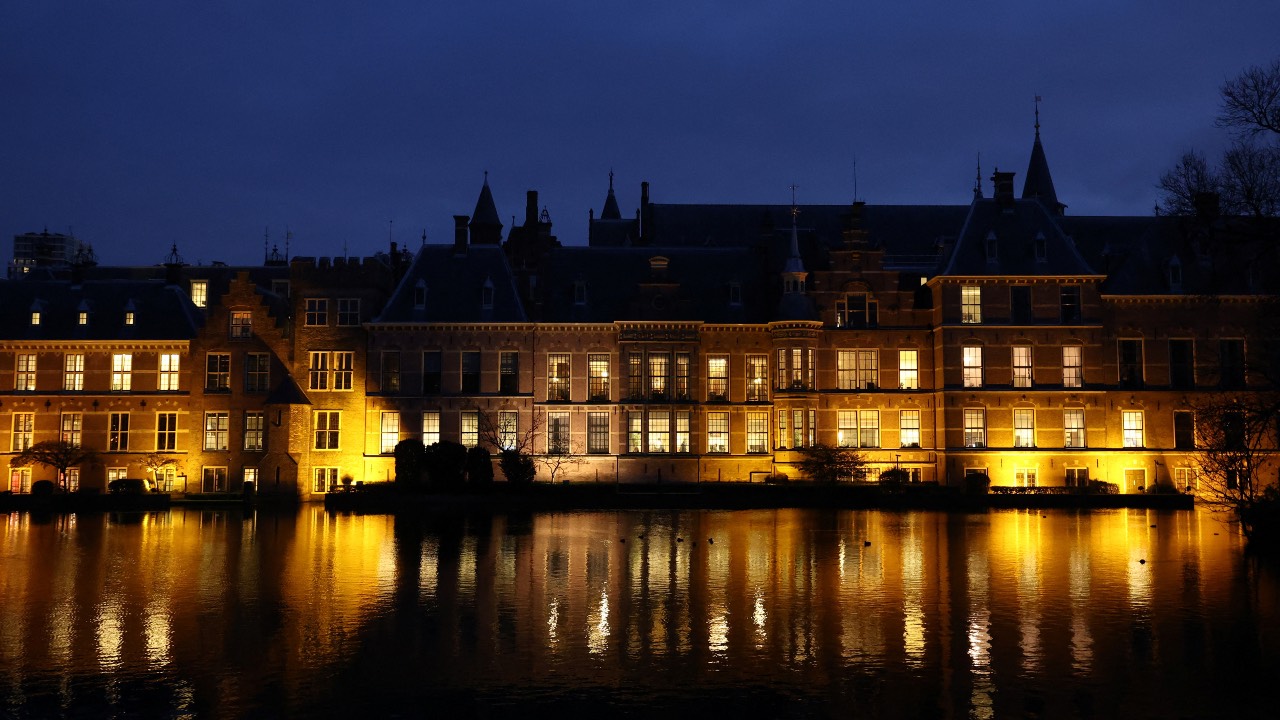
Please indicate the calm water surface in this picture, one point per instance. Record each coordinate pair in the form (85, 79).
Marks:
(786, 613)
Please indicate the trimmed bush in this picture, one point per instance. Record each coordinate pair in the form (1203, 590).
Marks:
(479, 467)
(517, 467)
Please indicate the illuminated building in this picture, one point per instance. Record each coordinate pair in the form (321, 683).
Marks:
(691, 343)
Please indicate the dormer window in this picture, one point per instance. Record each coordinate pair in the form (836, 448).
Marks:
(84, 318)
(1042, 250)
(991, 247)
(579, 292)
(735, 293)
(200, 293)
(419, 295)
(1175, 274)
(128, 318)
(35, 317)
(486, 295)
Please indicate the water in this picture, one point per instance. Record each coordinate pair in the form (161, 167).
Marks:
(780, 613)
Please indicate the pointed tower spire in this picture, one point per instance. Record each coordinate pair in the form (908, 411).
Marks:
(1039, 183)
(977, 180)
(610, 211)
(793, 270)
(486, 228)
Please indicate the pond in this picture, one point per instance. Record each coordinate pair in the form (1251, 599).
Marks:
(642, 613)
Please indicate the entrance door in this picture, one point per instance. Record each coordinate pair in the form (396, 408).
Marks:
(1135, 480)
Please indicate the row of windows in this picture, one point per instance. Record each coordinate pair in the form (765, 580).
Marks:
(73, 372)
(1231, 367)
(1020, 312)
(316, 313)
(119, 434)
(82, 317)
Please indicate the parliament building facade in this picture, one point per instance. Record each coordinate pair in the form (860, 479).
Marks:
(688, 343)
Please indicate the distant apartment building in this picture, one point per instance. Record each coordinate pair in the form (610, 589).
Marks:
(44, 250)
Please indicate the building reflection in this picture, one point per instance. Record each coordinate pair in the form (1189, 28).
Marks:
(942, 612)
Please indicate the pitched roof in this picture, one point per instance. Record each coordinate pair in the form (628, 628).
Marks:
(1016, 237)
(454, 285)
(160, 312)
(1039, 183)
(486, 212)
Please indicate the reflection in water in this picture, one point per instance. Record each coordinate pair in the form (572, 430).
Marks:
(923, 614)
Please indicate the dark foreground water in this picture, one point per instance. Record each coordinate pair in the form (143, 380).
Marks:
(786, 613)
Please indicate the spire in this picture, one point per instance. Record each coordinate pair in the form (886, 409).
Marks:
(486, 228)
(1039, 183)
(794, 265)
(610, 211)
(977, 180)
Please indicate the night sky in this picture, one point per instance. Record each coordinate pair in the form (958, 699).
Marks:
(140, 124)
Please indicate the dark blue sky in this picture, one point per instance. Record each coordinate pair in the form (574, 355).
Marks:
(139, 124)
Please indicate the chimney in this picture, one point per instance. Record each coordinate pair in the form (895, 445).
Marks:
(460, 234)
(644, 215)
(531, 209)
(1003, 188)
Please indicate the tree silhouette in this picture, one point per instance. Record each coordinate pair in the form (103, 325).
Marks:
(57, 454)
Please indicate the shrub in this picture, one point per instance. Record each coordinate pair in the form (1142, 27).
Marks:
(517, 467)
(410, 463)
(777, 479)
(43, 488)
(446, 463)
(479, 467)
(897, 476)
(977, 484)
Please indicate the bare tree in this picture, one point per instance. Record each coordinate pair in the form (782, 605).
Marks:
(1250, 179)
(559, 458)
(1181, 185)
(57, 454)
(1236, 451)
(155, 462)
(515, 444)
(1251, 101)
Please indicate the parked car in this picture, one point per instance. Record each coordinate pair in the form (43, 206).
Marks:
(130, 486)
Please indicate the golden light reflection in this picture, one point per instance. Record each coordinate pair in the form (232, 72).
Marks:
(913, 623)
(598, 626)
(107, 630)
(979, 636)
(1078, 582)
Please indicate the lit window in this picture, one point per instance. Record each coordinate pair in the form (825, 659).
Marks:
(558, 433)
(318, 371)
(327, 426)
(682, 376)
(508, 429)
(635, 376)
(241, 324)
(509, 372)
(558, 377)
(24, 379)
(857, 369)
(317, 312)
(869, 428)
(796, 368)
(598, 377)
(659, 431)
(908, 370)
(847, 428)
(597, 432)
(199, 293)
(118, 432)
(1022, 366)
(1131, 422)
(659, 371)
(254, 431)
(72, 426)
(216, 430)
(718, 378)
(348, 311)
(73, 372)
(1024, 476)
(469, 434)
(83, 318)
(798, 434)
(1073, 428)
(121, 372)
(1072, 366)
(1024, 427)
(682, 431)
(170, 371)
(251, 477)
(35, 317)
(757, 378)
(975, 427)
(635, 431)
(128, 318)
(24, 426)
(390, 430)
(718, 432)
(971, 304)
(217, 372)
(166, 432)
(757, 432)
(909, 428)
(972, 366)
(431, 427)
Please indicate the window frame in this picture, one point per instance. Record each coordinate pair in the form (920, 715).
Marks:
(217, 431)
(217, 372)
(971, 304)
(326, 428)
(255, 431)
(431, 428)
(316, 312)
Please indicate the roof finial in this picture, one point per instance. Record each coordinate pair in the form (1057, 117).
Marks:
(855, 178)
(610, 179)
(486, 172)
(977, 180)
(1037, 116)
(794, 210)
(424, 236)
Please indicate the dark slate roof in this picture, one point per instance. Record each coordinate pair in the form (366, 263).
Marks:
(613, 233)
(900, 229)
(160, 312)
(454, 283)
(486, 212)
(610, 211)
(622, 285)
(1226, 255)
(1039, 183)
(1015, 227)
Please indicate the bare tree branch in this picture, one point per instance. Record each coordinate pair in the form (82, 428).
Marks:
(1251, 101)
